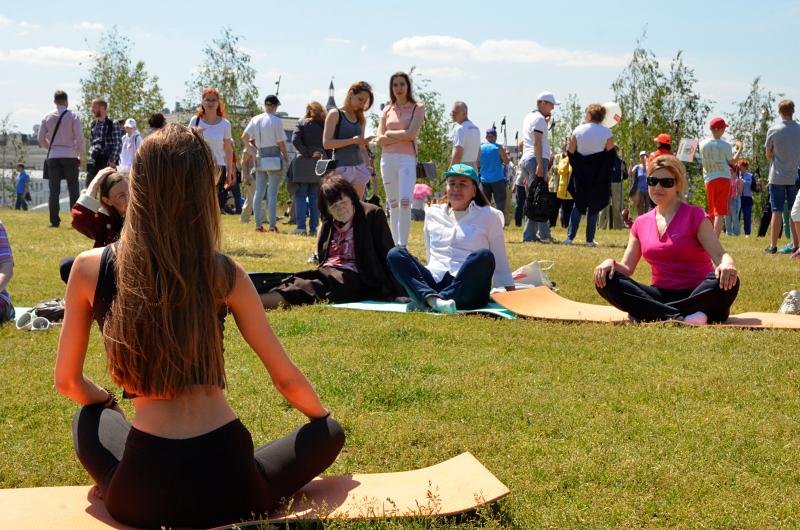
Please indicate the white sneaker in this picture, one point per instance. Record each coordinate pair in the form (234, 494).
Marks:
(791, 303)
(696, 319)
(591, 244)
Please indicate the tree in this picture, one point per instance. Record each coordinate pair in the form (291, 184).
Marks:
(227, 69)
(567, 116)
(127, 87)
(654, 102)
(750, 123)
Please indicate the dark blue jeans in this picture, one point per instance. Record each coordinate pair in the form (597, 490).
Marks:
(469, 289)
(747, 213)
(575, 222)
(305, 198)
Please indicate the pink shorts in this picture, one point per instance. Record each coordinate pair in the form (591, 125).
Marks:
(359, 174)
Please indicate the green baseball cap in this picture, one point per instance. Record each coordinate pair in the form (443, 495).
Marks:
(463, 170)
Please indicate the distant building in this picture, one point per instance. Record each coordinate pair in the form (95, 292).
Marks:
(331, 104)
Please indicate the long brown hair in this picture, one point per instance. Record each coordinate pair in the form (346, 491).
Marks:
(111, 180)
(164, 332)
(409, 94)
(357, 88)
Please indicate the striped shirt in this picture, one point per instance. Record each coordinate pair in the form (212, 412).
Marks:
(5, 257)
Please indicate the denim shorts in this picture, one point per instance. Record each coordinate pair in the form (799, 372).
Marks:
(780, 194)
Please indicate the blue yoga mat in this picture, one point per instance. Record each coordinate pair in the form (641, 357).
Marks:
(396, 307)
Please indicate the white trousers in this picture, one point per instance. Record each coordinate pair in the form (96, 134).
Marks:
(399, 172)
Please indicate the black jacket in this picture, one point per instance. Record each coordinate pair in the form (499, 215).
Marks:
(307, 139)
(590, 184)
(373, 240)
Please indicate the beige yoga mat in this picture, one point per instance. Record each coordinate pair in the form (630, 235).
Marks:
(541, 302)
(454, 486)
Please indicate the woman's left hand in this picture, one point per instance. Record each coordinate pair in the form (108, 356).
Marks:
(726, 274)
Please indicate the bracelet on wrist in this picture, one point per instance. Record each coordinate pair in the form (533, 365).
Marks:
(111, 401)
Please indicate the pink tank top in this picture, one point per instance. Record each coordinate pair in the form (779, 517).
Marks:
(398, 119)
(677, 259)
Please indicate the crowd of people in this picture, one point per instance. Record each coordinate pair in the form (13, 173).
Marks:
(160, 294)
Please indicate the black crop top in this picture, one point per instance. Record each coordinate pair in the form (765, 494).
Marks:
(106, 290)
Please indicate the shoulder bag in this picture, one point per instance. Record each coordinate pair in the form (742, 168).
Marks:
(425, 170)
(50, 146)
(326, 165)
(267, 162)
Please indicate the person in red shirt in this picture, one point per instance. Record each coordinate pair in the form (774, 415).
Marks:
(664, 147)
(99, 213)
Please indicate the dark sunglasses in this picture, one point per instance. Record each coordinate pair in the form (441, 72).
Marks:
(667, 182)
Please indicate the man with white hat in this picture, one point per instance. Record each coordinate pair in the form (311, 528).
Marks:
(536, 160)
(131, 141)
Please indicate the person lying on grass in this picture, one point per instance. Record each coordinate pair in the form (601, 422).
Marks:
(353, 241)
(465, 249)
(679, 243)
(100, 212)
(160, 296)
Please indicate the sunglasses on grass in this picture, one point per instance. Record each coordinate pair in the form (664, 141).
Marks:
(666, 182)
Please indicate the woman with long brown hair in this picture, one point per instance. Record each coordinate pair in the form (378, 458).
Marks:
(160, 297)
(307, 140)
(344, 133)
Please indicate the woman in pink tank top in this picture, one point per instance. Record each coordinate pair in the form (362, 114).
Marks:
(680, 244)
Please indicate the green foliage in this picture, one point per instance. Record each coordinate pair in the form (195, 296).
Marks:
(227, 69)
(567, 116)
(11, 152)
(126, 86)
(655, 102)
(750, 122)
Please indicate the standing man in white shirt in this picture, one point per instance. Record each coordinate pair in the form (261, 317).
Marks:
(266, 130)
(466, 138)
(536, 160)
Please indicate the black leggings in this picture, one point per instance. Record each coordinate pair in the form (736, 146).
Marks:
(209, 480)
(649, 303)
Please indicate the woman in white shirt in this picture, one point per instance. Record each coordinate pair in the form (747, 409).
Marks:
(465, 249)
(130, 144)
(210, 122)
(588, 139)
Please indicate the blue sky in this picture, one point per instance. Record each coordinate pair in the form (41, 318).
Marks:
(494, 56)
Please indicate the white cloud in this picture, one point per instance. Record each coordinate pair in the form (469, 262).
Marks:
(86, 25)
(441, 48)
(363, 47)
(335, 40)
(45, 55)
(21, 27)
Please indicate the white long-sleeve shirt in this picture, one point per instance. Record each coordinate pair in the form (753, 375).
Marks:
(448, 241)
(130, 144)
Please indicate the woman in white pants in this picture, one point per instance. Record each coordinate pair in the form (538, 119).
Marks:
(397, 136)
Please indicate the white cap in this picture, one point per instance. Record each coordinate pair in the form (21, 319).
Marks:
(548, 97)
(130, 122)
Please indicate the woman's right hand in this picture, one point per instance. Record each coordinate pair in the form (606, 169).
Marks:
(603, 271)
(94, 186)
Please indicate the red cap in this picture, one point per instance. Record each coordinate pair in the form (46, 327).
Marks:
(718, 123)
(663, 138)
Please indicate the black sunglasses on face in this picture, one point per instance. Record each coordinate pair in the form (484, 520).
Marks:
(667, 182)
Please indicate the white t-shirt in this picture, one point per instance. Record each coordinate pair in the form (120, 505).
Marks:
(215, 136)
(591, 138)
(534, 122)
(468, 136)
(130, 144)
(266, 129)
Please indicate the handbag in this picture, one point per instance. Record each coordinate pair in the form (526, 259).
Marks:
(267, 162)
(50, 146)
(326, 165)
(425, 170)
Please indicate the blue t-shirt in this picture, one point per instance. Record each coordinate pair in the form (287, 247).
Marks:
(748, 183)
(491, 163)
(22, 180)
(641, 178)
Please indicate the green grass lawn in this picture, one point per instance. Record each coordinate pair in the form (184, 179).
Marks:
(589, 425)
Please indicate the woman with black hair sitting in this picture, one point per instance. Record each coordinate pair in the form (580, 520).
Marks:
(353, 241)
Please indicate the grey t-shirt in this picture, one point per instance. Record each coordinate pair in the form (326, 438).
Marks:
(784, 140)
(350, 155)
